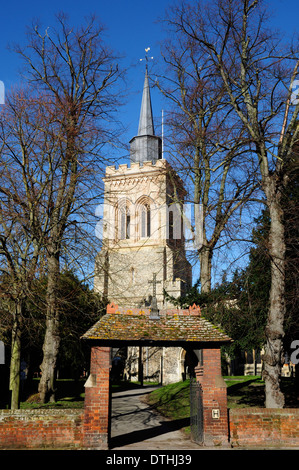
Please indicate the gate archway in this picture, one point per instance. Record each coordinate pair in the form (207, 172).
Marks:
(184, 328)
(189, 361)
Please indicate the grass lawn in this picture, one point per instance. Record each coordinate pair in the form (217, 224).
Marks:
(242, 392)
(70, 394)
(171, 400)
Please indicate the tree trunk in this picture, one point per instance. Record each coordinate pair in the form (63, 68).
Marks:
(15, 361)
(275, 324)
(205, 268)
(140, 366)
(52, 335)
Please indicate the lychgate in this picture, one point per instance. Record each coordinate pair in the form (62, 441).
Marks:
(184, 328)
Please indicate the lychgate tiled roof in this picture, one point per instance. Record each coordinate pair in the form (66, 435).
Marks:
(136, 325)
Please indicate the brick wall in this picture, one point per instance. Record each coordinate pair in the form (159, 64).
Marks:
(97, 400)
(264, 427)
(52, 429)
(60, 429)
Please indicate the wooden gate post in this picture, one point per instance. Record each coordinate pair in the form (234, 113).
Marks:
(214, 397)
(97, 400)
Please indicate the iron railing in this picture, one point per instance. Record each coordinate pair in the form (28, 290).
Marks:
(196, 412)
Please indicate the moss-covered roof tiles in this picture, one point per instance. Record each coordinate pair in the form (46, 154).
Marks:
(137, 326)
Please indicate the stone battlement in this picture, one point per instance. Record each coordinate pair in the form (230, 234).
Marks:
(125, 169)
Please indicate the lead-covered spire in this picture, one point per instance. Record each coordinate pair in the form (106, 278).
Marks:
(146, 123)
(146, 146)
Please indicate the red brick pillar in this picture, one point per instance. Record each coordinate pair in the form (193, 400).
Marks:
(97, 400)
(214, 396)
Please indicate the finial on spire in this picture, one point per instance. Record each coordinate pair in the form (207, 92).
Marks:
(146, 58)
(146, 146)
(146, 123)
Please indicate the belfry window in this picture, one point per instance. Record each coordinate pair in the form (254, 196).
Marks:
(125, 221)
(145, 221)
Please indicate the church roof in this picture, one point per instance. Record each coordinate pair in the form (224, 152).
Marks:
(174, 327)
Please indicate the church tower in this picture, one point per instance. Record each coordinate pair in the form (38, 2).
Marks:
(143, 252)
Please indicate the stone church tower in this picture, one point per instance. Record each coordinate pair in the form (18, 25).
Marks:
(143, 254)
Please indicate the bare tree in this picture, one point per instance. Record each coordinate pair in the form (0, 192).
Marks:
(77, 75)
(257, 72)
(207, 143)
(20, 194)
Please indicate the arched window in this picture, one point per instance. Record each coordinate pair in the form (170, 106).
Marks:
(145, 221)
(125, 220)
(144, 215)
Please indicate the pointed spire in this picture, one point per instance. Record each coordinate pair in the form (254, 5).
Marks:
(145, 146)
(146, 123)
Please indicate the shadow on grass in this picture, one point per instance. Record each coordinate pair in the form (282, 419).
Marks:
(69, 394)
(252, 393)
(249, 393)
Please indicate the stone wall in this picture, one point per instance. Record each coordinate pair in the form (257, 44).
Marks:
(128, 274)
(163, 365)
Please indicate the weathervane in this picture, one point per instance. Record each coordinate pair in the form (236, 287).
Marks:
(146, 58)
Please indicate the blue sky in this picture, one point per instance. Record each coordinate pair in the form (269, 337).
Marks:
(131, 27)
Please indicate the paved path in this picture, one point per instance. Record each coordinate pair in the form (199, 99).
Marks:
(135, 425)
